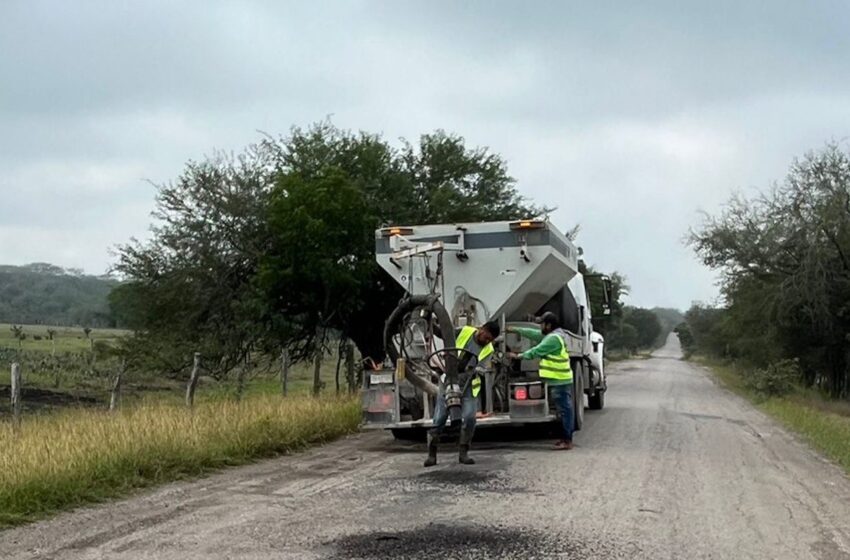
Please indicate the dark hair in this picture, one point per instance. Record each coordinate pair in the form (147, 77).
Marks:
(492, 327)
(551, 319)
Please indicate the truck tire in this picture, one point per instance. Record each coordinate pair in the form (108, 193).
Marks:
(578, 395)
(597, 400)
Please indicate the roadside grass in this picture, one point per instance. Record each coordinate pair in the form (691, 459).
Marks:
(824, 423)
(79, 456)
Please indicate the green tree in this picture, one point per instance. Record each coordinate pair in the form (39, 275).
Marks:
(686, 339)
(624, 337)
(646, 325)
(785, 260)
(188, 288)
(311, 276)
(235, 264)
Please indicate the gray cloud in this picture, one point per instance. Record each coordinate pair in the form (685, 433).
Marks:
(629, 117)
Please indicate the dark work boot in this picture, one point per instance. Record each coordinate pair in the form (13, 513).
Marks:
(463, 457)
(465, 439)
(432, 451)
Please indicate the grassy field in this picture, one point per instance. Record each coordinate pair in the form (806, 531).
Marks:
(71, 450)
(65, 339)
(77, 456)
(68, 378)
(822, 422)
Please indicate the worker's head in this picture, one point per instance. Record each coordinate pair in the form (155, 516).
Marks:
(549, 322)
(487, 333)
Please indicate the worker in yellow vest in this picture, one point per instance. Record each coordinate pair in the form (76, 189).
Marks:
(554, 368)
(477, 348)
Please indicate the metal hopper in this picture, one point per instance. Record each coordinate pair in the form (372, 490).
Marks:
(480, 270)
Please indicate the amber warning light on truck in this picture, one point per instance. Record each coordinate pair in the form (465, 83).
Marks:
(393, 231)
(528, 224)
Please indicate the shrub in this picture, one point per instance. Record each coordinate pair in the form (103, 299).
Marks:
(776, 380)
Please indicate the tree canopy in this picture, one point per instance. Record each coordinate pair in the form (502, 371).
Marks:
(273, 247)
(784, 256)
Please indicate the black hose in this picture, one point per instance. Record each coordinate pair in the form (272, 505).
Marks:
(394, 324)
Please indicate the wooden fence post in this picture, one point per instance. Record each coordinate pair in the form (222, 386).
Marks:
(339, 354)
(193, 380)
(16, 395)
(317, 371)
(115, 395)
(241, 374)
(349, 367)
(284, 371)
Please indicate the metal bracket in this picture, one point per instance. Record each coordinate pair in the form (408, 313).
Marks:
(413, 247)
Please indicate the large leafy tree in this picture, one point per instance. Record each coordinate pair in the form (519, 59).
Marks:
(439, 180)
(785, 259)
(274, 247)
(187, 287)
(312, 277)
(646, 325)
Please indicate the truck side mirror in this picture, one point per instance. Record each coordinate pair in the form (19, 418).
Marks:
(607, 295)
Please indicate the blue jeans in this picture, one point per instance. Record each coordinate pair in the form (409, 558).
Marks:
(469, 407)
(563, 397)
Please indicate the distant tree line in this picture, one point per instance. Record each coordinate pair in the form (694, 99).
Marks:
(41, 293)
(627, 328)
(784, 257)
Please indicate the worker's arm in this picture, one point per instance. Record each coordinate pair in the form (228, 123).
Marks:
(549, 345)
(532, 334)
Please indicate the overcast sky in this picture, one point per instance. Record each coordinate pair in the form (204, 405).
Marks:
(629, 117)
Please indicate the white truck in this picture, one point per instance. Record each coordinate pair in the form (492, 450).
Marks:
(467, 274)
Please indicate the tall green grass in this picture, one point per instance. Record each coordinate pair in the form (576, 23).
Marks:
(823, 423)
(827, 432)
(80, 456)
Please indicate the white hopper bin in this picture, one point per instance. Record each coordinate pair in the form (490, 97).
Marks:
(488, 269)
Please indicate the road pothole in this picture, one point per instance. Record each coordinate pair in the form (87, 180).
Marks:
(471, 542)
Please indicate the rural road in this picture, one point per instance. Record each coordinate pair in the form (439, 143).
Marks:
(674, 467)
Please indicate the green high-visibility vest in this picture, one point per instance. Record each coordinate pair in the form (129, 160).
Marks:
(462, 339)
(557, 366)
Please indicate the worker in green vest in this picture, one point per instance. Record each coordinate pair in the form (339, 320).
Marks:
(477, 348)
(554, 368)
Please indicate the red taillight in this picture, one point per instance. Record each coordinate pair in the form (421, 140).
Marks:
(521, 393)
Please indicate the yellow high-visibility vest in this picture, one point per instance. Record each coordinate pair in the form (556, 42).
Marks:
(462, 339)
(557, 366)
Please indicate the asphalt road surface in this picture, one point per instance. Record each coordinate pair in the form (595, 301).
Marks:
(674, 467)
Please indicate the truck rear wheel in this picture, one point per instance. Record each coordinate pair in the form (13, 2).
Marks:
(578, 394)
(597, 400)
